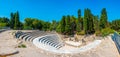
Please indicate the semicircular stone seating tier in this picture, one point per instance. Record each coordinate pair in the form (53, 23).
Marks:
(50, 40)
(24, 36)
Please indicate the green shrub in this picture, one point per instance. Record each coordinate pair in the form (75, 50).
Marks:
(118, 32)
(3, 24)
(106, 31)
(22, 46)
(81, 33)
(27, 28)
(98, 33)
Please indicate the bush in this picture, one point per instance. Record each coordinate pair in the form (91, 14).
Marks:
(106, 31)
(27, 28)
(3, 24)
(98, 33)
(118, 32)
(81, 33)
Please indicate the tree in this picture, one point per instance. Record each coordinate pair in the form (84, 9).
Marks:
(85, 21)
(73, 24)
(116, 24)
(46, 26)
(67, 26)
(12, 20)
(37, 24)
(88, 22)
(58, 29)
(17, 22)
(61, 25)
(79, 22)
(53, 25)
(33, 23)
(28, 23)
(96, 23)
(79, 13)
(103, 19)
(91, 24)
(4, 22)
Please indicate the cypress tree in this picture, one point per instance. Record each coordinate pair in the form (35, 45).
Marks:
(85, 23)
(96, 23)
(12, 20)
(17, 22)
(88, 22)
(73, 24)
(62, 25)
(79, 22)
(67, 26)
(103, 19)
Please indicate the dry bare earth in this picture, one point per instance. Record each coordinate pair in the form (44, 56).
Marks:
(8, 45)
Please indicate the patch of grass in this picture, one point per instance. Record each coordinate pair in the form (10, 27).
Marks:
(22, 46)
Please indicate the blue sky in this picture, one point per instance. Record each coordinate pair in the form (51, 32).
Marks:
(49, 10)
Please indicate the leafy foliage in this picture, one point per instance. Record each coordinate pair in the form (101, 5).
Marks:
(4, 22)
(53, 25)
(116, 25)
(33, 23)
(106, 31)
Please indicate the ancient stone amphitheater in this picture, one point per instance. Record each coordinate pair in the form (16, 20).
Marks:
(51, 40)
(48, 44)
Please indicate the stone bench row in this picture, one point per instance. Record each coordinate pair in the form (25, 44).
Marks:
(24, 36)
(49, 40)
(116, 39)
(36, 34)
(1, 30)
